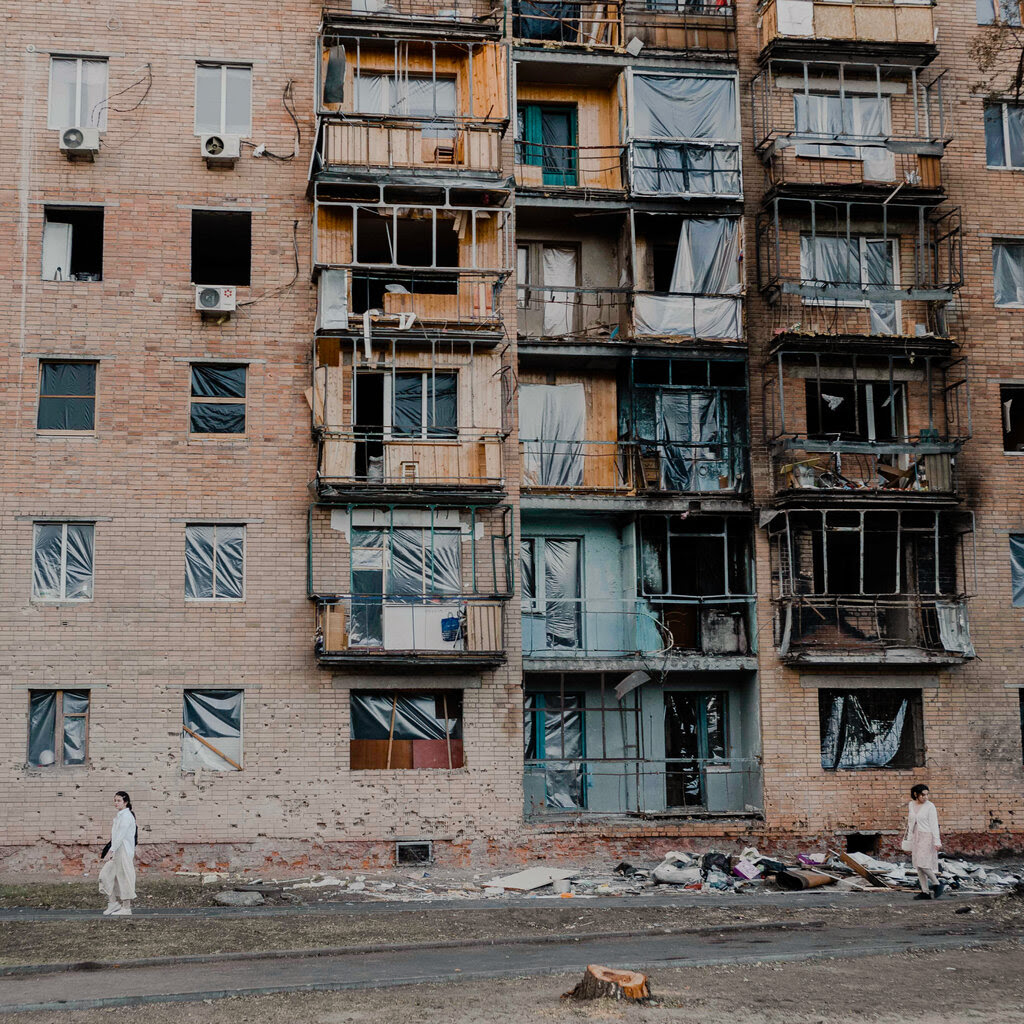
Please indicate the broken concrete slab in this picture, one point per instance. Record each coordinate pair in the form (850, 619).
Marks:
(233, 898)
(530, 879)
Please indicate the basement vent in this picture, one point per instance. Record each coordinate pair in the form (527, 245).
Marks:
(863, 842)
(413, 853)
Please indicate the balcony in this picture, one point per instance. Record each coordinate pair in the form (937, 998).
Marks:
(461, 18)
(567, 24)
(830, 125)
(863, 26)
(571, 170)
(588, 632)
(872, 585)
(682, 26)
(377, 631)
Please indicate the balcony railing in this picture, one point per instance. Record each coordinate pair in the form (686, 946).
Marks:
(687, 315)
(866, 468)
(358, 461)
(369, 628)
(632, 467)
(684, 167)
(862, 21)
(903, 626)
(641, 787)
(682, 25)
(584, 313)
(372, 144)
(584, 628)
(546, 166)
(567, 23)
(482, 13)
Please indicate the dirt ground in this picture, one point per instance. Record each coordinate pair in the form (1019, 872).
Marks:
(960, 987)
(122, 939)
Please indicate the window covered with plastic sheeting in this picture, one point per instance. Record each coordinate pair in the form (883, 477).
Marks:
(830, 116)
(424, 562)
(62, 562)
(552, 420)
(58, 727)
(218, 399)
(706, 268)
(211, 730)
(1017, 569)
(425, 404)
(685, 135)
(406, 730)
(67, 396)
(1004, 135)
(215, 562)
(553, 735)
(1008, 273)
(851, 264)
(870, 729)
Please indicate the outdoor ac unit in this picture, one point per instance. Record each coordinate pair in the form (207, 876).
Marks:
(215, 298)
(220, 149)
(80, 143)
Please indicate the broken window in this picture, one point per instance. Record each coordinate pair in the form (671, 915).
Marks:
(998, 12)
(1008, 273)
(214, 563)
(415, 96)
(704, 266)
(695, 735)
(553, 734)
(67, 397)
(218, 399)
(1004, 135)
(223, 100)
(856, 410)
(62, 562)
(552, 579)
(73, 243)
(552, 419)
(867, 728)
(58, 727)
(406, 730)
(425, 404)
(211, 731)
(1017, 569)
(547, 276)
(685, 135)
(78, 93)
(546, 137)
(221, 247)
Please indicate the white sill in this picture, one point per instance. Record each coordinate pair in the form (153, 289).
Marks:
(1009, 305)
(50, 602)
(213, 601)
(65, 433)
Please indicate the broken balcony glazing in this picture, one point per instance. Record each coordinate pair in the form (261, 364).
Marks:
(888, 585)
(567, 23)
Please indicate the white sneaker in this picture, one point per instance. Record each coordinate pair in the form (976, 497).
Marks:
(121, 912)
(111, 908)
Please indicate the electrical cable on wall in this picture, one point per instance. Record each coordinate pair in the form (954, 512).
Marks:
(284, 287)
(288, 102)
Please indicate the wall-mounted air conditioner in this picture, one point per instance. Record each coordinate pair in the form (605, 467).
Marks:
(215, 298)
(80, 143)
(219, 149)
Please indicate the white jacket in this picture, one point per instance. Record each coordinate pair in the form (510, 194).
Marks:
(926, 818)
(122, 832)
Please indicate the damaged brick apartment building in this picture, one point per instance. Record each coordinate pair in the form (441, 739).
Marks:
(483, 432)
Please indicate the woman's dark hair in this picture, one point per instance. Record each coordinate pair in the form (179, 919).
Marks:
(128, 803)
(915, 791)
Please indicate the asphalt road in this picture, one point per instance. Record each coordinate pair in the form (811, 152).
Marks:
(213, 979)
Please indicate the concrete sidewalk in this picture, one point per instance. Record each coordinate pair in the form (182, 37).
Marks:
(220, 978)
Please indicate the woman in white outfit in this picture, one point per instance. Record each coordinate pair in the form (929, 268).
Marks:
(923, 842)
(117, 877)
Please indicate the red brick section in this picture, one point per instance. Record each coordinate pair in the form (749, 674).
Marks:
(295, 806)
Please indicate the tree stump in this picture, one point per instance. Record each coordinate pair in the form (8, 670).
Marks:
(608, 983)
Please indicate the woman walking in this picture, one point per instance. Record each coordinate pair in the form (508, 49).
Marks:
(922, 842)
(117, 878)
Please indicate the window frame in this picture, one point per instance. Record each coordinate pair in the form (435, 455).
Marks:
(241, 728)
(223, 67)
(64, 524)
(51, 431)
(81, 122)
(194, 435)
(997, 18)
(391, 433)
(1005, 243)
(58, 728)
(453, 734)
(1003, 106)
(863, 241)
(1008, 390)
(213, 598)
(915, 711)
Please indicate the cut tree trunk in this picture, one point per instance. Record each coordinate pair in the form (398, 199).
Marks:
(608, 983)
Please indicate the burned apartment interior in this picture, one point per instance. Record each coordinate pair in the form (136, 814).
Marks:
(607, 322)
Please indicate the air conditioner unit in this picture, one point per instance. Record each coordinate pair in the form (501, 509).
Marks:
(80, 143)
(215, 298)
(218, 148)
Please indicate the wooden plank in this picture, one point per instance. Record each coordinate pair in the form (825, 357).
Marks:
(373, 754)
(877, 23)
(434, 754)
(335, 636)
(483, 627)
(930, 169)
(833, 21)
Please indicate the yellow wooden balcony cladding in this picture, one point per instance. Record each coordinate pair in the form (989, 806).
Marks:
(877, 22)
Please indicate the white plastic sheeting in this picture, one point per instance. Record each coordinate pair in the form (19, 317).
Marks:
(1008, 273)
(214, 562)
(554, 735)
(856, 737)
(562, 601)
(689, 426)
(42, 727)
(62, 563)
(953, 628)
(404, 716)
(424, 563)
(401, 95)
(216, 716)
(552, 420)
(823, 116)
(559, 267)
(706, 265)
